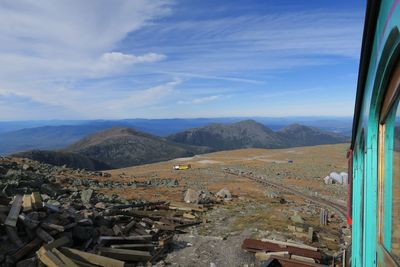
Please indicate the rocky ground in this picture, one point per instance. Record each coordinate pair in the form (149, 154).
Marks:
(253, 212)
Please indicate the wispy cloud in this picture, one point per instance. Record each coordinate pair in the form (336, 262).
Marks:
(200, 100)
(212, 77)
(99, 58)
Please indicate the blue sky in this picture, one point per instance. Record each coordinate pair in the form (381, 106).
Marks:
(73, 59)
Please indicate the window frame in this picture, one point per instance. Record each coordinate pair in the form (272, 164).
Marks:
(392, 95)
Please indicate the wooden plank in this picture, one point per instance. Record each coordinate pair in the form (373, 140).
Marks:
(26, 203)
(64, 258)
(51, 226)
(29, 247)
(12, 217)
(133, 246)
(60, 242)
(90, 258)
(125, 254)
(49, 259)
(29, 223)
(258, 245)
(186, 207)
(42, 234)
(103, 239)
(36, 200)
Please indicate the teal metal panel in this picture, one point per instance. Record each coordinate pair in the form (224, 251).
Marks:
(365, 185)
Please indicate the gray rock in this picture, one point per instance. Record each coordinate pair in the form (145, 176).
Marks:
(86, 195)
(51, 190)
(224, 194)
(297, 218)
(27, 167)
(191, 196)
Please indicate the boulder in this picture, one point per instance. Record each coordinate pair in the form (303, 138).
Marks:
(297, 218)
(191, 196)
(51, 190)
(224, 194)
(204, 197)
(271, 194)
(86, 195)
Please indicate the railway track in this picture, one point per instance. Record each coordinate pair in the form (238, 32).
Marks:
(341, 210)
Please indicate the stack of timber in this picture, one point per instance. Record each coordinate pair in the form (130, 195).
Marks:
(277, 253)
(35, 233)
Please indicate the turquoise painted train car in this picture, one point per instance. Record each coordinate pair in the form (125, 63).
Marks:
(375, 148)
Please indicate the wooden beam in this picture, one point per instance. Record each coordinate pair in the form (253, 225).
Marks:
(91, 258)
(42, 234)
(60, 242)
(27, 203)
(49, 259)
(23, 251)
(134, 246)
(104, 239)
(36, 200)
(68, 262)
(12, 217)
(125, 254)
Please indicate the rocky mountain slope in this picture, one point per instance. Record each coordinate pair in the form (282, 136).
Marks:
(251, 134)
(300, 135)
(121, 147)
(59, 158)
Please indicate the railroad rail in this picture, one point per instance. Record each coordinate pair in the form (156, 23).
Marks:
(341, 210)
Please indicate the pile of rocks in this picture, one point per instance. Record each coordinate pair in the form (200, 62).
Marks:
(206, 197)
(52, 216)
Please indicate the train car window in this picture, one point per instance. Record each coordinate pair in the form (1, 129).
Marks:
(389, 173)
(395, 242)
(391, 184)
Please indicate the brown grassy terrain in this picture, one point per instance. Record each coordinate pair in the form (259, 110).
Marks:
(251, 211)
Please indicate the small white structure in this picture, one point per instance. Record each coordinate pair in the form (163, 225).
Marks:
(336, 178)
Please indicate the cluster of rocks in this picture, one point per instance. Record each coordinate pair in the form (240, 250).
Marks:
(206, 197)
(95, 184)
(49, 216)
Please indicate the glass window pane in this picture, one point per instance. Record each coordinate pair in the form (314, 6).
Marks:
(391, 197)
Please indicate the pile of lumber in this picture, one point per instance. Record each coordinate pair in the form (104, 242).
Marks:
(277, 253)
(89, 233)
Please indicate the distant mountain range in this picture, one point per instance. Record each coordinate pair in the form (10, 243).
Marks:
(251, 134)
(16, 136)
(119, 147)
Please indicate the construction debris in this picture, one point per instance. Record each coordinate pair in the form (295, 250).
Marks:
(87, 233)
(271, 250)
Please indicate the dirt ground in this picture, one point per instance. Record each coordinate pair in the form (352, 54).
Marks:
(251, 213)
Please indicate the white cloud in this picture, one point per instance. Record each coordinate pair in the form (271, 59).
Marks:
(117, 61)
(146, 97)
(200, 100)
(70, 39)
